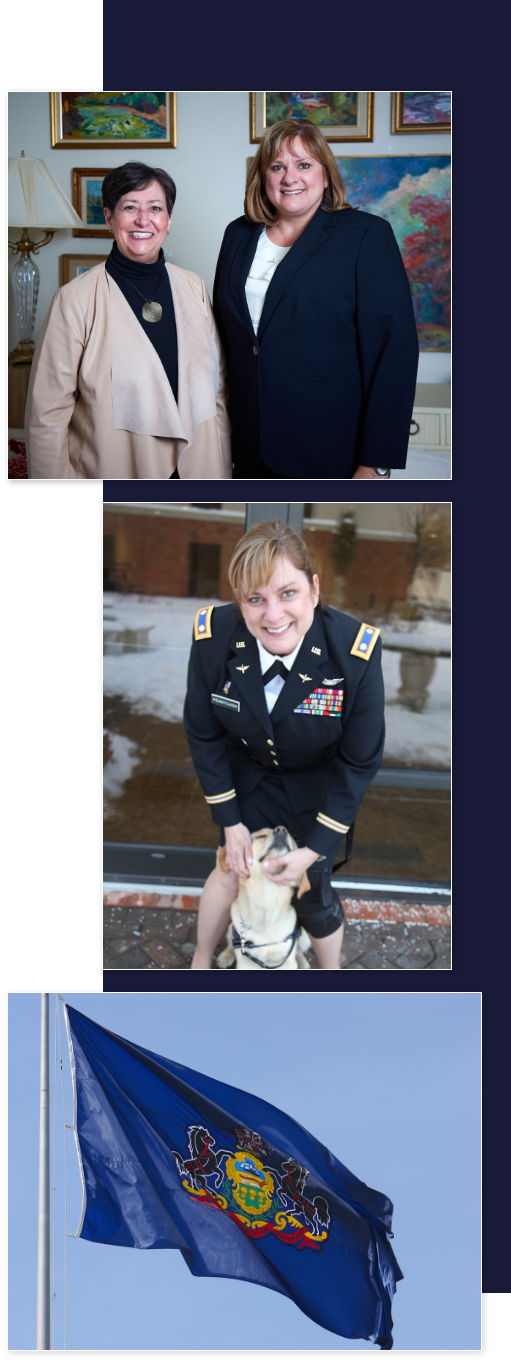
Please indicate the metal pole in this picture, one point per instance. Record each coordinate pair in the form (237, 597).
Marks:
(43, 1244)
(290, 512)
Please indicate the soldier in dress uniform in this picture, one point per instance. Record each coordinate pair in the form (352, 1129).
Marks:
(284, 719)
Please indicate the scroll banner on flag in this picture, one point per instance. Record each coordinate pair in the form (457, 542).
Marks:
(172, 1159)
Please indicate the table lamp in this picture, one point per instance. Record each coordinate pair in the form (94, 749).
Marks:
(35, 201)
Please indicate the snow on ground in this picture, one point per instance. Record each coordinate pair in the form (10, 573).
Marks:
(417, 739)
(420, 634)
(153, 679)
(119, 767)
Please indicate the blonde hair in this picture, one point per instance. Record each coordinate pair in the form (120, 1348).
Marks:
(256, 556)
(257, 205)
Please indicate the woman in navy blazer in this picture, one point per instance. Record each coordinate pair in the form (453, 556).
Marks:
(323, 382)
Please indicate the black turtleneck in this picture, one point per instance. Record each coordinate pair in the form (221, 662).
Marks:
(162, 334)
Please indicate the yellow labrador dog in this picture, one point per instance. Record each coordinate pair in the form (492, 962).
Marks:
(265, 933)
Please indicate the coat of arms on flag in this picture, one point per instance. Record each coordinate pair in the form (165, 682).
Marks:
(261, 1199)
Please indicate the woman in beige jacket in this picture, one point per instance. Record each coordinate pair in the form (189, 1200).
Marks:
(128, 375)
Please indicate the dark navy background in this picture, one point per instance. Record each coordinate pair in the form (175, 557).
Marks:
(374, 47)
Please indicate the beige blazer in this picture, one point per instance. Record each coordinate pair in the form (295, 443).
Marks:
(100, 404)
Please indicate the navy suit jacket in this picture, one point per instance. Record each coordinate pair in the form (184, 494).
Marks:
(328, 383)
(325, 761)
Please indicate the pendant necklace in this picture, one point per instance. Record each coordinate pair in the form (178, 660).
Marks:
(151, 311)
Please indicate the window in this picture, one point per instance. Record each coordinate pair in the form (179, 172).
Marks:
(204, 569)
(389, 565)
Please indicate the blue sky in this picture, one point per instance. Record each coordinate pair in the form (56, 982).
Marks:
(390, 1082)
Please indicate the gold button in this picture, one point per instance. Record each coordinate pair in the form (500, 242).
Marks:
(270, 740)
(275, 763)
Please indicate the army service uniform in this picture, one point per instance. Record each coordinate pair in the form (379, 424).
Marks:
(306, 764)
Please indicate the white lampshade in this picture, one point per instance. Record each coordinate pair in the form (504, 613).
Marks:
(35, 198)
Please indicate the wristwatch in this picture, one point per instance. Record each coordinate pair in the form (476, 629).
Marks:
(382, 472)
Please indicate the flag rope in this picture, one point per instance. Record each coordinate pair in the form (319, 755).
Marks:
(54, 1170)
(65, 1180)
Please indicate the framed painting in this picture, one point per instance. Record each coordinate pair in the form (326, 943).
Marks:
(413, 193)
(74, 265)
(113, 118)
(88, 202)
(421, 111)
(342, 115)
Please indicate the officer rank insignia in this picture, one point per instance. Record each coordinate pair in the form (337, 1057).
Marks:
(202, 626)
(322, 702)
(365, 641)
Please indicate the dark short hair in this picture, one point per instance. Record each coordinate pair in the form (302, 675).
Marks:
(135, 175)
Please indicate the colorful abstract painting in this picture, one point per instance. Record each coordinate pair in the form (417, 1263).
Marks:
(426, 107)
(413, 193)
(324, 108)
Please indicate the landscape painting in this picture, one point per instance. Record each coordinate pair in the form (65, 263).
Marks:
(325, 108)
(133, 118)
(75, 265)
(88, 202)
(93, 207)
(343, 115)
(413, 193)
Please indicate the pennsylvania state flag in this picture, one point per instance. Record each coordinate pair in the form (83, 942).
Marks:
(173, 1159)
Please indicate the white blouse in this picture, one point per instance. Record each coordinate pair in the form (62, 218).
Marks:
(262, 270)
(273, 688)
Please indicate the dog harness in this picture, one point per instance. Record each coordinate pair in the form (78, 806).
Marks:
(239, 940)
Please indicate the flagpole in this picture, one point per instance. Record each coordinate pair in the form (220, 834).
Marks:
(43, 1245)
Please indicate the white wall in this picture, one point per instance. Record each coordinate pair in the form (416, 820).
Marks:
(209, 168)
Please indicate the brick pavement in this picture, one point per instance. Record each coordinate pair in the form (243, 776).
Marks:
(158, 931)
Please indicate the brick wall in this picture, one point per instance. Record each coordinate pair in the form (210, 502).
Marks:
(150, 555)
(379, 574)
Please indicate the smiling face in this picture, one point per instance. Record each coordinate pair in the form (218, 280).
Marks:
(139, 223)
(281, 612)
(294, 181)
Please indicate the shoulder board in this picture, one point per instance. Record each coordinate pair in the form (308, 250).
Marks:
(202, 626)
(365, 641)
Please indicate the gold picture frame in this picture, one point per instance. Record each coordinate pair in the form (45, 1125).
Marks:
(85, 195)
(71, 128)
(397, 124)
(71, 266)
(362, 130)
